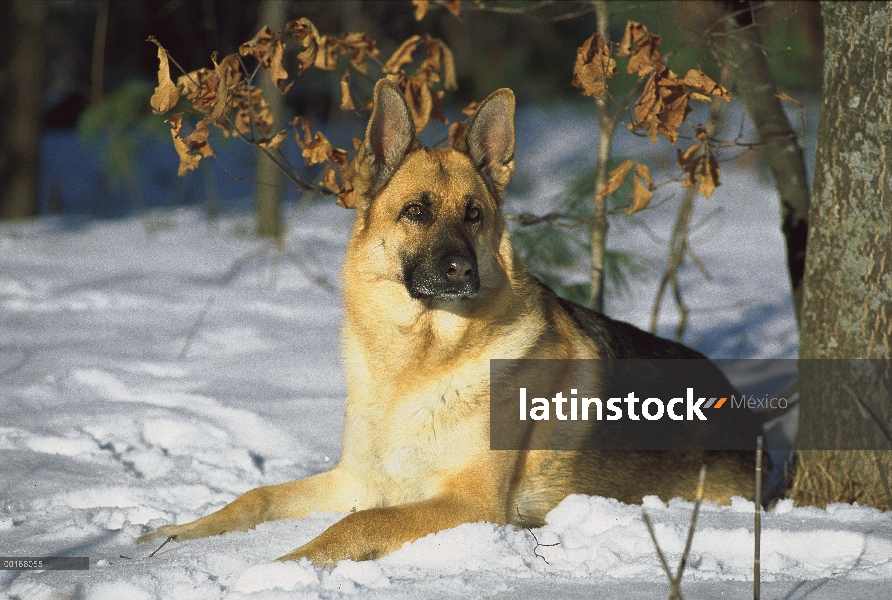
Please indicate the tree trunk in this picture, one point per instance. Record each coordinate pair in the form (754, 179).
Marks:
(598, 230)
(21, 84)
(755, 86)
(269, 177)
(847, 303)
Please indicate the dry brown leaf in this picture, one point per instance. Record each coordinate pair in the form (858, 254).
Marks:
(642, 47)
(262, 113)
(675, 109)
(647, 107)
(700, 80)
(327, 56)
(330, 180)
(252, 113)
(470, 109)
(275, 141)
(346, 195)
(615, 179)
(687, 162)
(450, 82)
(593, 67)
(197, 141)
(419, 99)
(454, 6)
(346, 98)
(662, 106)
(437, 113)
(188, 162)
(402, 55)
(700, 167)
(299, 124)
(228, 74)
(166, 94)
(361, 47)
(318, 150)
(273, 65)
(709, 176)
(306, 33)
(643, 171)
(199, 87)
(258, 46)
(641, 195)
(420, 9)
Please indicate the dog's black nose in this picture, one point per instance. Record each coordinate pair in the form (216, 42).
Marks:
(457, 269)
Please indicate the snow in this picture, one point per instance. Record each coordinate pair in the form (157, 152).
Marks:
(139, 389)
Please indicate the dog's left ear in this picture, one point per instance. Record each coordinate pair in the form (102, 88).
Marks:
(490, 138)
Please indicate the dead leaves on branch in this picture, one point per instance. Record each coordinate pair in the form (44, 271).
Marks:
(317, 149)
(438, 64)
(322, 51)
(661, 108)
(664, 103)
(225, 97)
(642, 184)
(699, 165)
(269, 49)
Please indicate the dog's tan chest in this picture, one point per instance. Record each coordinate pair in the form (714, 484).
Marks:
(410, 445)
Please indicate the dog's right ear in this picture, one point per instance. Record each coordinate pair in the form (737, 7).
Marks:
(388, 137)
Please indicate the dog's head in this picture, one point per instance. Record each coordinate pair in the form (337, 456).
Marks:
(429, 218)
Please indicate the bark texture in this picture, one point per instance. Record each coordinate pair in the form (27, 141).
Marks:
(847, 304)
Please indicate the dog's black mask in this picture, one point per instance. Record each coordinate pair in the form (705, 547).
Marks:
(448, 274)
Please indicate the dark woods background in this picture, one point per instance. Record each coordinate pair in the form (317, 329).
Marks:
(85, 66)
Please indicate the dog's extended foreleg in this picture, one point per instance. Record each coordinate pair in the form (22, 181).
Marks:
(332, 490)
(375, 532)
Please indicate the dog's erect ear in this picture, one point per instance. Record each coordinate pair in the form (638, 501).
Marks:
(490, 138)
(389, 135)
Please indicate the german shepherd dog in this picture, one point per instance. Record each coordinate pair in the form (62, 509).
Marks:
(432, 291)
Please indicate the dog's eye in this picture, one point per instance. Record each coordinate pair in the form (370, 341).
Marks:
(473, 215)
(416, 212)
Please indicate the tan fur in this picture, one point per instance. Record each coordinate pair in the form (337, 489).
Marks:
(416, 455)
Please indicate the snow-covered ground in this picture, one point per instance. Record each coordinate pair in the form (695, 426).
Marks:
(138, 387)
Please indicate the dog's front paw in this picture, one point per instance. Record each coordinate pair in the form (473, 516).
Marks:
(187, 531)
(320, 557)
(171, 531)
(324, 552)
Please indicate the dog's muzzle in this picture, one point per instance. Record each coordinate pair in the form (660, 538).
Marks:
(451, 277)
